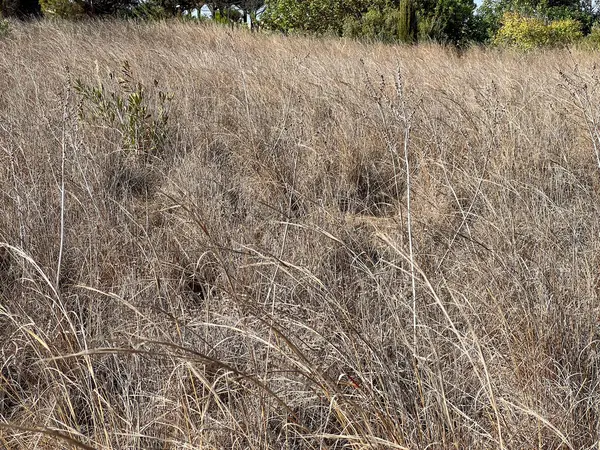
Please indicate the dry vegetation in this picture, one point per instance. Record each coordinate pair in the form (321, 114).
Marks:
(243, 275)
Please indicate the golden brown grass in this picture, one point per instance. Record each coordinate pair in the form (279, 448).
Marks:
(251, 284)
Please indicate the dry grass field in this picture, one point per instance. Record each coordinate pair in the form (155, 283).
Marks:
(249, 241)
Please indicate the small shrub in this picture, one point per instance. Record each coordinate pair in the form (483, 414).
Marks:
(429, 29)
(372, 24)
(315, 16)
(141, 121)
(141, 118)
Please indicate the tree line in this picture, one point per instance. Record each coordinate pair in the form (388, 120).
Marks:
(512, 22)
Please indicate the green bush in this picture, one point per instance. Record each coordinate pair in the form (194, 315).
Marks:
(530, 32)
(522, 32)
(430, 29)
(592, 40)
(351, 27)
(447, 21)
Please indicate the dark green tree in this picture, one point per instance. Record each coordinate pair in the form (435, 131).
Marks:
(407, 24)
(162, 9)
(21, 9)
(450, 21)
(220, 7)
(317, 16)
(249, 7)
(76, 9)
(107, 7)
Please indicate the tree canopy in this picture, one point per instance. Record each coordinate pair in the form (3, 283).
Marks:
(20, 9)
(441, 20)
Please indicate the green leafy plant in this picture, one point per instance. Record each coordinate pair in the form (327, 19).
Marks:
(373, 26)
(141, 119)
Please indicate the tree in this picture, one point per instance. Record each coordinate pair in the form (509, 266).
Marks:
(21, 9)
(407, 25)
(249, 7)
(70, 9)
(107, 7)
(219, 7)
(492, 12)
(449, 21)
(529, 32)
(316, 16)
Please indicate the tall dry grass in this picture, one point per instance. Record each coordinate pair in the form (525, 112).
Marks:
(253, 283)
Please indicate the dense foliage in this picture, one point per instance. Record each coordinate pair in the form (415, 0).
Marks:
(19, 8)
(538, 22)
(407, 25)
(440, 20)
(522, 24)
